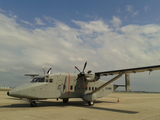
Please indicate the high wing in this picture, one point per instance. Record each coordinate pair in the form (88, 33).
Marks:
(131, 70)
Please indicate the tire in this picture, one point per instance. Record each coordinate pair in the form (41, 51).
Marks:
(91, 103)
(33, 104)
(65, 100)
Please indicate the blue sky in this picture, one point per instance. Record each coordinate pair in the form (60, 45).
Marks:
(109, 34)
(130, 12)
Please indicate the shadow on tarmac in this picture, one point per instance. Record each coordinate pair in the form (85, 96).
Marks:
(82, 104)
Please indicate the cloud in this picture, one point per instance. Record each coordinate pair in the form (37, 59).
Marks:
(116, 22)
(61, 47)
(146, 8)
(39, 21)
(2, 10)
(130, 9)
(26, 22)
(92, 26)
(50, 19)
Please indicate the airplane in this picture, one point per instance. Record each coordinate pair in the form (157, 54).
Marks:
(85, 85)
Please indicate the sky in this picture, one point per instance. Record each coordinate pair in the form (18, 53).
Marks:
(108, 34)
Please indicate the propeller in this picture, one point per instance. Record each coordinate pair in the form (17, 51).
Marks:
(82, 74)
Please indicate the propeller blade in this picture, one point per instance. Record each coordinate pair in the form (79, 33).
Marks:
(84, 66)
(77, 68)
(49, 71)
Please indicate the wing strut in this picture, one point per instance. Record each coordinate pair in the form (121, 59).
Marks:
(107, 83)
(127, 82)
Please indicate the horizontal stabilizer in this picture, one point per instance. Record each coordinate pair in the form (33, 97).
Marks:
(32, 75)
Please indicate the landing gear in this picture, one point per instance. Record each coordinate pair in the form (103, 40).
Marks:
(32, 103)
(65, 100)
(91, 103)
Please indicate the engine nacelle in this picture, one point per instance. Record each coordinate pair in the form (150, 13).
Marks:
(90, 97)
(90, 77)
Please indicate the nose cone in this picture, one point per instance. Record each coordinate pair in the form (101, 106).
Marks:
(19, 91)
(28, 90)
(14, 92)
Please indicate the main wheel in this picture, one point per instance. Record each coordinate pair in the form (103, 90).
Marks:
(91, 103)
(33, 104)
(65, 100)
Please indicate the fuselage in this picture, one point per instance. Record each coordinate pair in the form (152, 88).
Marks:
(60, 85)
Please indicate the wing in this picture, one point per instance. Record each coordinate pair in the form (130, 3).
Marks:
(131, 70)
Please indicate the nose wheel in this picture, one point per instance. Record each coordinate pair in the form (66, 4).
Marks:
(91, 103)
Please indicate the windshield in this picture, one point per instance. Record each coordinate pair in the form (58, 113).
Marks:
(38, 80)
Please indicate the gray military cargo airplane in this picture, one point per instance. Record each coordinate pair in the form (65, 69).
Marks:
(87, 86)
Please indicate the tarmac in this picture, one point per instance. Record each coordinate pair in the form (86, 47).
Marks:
(116, 106)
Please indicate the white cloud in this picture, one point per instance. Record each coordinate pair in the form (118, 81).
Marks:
(26, 22)
(116, 22)
(92, 26)
(24, 50)
(130, 9)
(39, 21)
(50, 19)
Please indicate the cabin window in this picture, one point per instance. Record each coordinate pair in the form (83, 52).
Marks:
(47, 80)
(51, 81)
(71, 87)
(92, 88)
(41, 80)
(89, 88)
(38, 80)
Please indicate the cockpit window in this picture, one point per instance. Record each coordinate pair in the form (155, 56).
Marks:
(38, 80)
